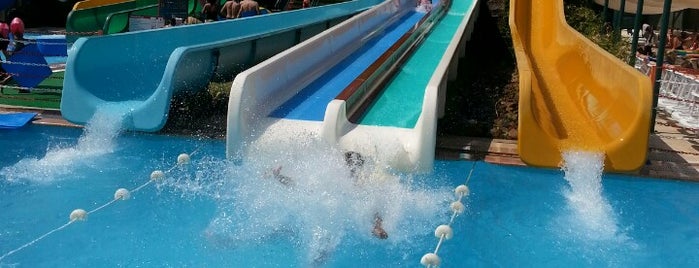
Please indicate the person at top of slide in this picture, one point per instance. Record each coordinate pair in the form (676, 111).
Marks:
(230, 9)
(248, 8)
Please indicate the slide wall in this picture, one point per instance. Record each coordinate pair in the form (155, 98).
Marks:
(144, 69)
(573, 95)
(96, 3)
(260, 90)
(254, 94)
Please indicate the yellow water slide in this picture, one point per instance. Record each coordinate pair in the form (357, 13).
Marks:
(573, 95)
(96, 3)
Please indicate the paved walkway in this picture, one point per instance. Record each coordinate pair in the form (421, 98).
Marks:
(673, 151)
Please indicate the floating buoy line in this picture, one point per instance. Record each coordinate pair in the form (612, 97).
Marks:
(444, 232)
(120, 194)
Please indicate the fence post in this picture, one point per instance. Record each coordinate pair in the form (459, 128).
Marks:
(657, 75)
(636, 32)
(617, 24)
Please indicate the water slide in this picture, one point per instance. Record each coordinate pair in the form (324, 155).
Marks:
(573, 95)
(96, 3)
(90, 16)
(144, 69)
(374, 84)
(112, 16)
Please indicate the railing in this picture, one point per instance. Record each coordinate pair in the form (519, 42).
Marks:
(679, 93)
(27, 73)
(107, 28)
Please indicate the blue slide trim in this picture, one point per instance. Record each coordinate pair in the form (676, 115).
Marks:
(311, 102)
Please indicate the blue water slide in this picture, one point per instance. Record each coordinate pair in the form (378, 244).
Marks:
(144, 69)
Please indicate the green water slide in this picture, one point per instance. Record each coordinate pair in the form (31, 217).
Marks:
(90, 21)
(113, 16)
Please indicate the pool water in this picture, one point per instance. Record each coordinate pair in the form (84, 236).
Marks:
(214, 213)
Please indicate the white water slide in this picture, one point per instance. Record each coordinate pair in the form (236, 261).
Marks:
(374, 84)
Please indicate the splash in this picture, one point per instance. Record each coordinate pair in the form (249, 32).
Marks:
(589, 228)
(97, 139)
(592, 213)
(317, 207)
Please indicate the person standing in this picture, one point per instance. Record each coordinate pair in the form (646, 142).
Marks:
(230, 9)
(209, 12)
(248, 8)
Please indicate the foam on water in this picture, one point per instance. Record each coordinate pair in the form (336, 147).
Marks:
(60, 159)
(588, 226)
(592, 214)
(321, 208)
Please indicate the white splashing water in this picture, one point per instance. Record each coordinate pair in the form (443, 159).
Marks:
(97, 139)
(321, 207)
(592, 213)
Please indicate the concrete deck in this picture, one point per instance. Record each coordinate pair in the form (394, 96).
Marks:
(673, 151)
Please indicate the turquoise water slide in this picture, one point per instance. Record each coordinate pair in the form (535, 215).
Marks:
(401, 119)
(144, 69)
(401, 101)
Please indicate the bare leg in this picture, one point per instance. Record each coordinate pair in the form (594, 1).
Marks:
(378, 230)
(281, 178)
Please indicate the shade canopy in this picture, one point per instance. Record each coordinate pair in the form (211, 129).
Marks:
(650, 7)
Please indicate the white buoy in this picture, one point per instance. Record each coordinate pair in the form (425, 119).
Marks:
(122, 194)
(157, 175)
(78, 215)
(457, 207)
(430, 259)
(444, 230)
(183, 159)
(462, 190)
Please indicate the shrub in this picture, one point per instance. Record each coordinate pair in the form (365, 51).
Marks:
(581, 15)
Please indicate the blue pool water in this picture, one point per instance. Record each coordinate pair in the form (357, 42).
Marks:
(212, 213)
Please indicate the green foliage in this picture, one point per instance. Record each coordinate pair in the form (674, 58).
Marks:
(582, 17)
(219, 91)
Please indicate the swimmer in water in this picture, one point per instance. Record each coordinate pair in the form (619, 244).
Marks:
(276, 172)
(355, 162)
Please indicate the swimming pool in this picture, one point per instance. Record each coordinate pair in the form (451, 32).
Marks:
(212, 213)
